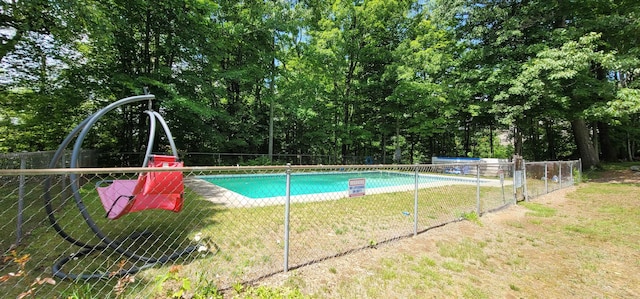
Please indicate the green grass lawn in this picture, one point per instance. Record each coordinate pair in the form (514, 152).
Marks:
(567, 247)
(241, 243)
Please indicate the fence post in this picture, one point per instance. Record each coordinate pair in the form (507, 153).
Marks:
(286, 217)
(580, 170)
(415, 204)
(515, 190)
(63, 184)
(524, 180)
(546, 178)
(571, 172)
(560, 175)
(23, 165)
(501, 173)
(478, 189)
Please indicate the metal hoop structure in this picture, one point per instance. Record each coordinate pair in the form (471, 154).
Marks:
(106, 242)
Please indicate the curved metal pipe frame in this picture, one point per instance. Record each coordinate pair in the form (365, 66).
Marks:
(153, 116)
(81, 131)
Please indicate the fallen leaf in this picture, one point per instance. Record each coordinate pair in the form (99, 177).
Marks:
(121, 286)
(48, 280)
(175, 269)
(22, 260)
(121, 265)
(25, 294)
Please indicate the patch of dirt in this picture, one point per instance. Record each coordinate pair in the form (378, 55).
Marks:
(522, 256)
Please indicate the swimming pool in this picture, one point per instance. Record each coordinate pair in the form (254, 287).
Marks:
(273, 185)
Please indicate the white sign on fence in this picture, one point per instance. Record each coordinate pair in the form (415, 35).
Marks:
(518, 178)
(356, 187)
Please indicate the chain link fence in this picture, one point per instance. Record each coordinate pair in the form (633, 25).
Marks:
(40, 160)
(545, 177)
(228, 225)
(127, 159)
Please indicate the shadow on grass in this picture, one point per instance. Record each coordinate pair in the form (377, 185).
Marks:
(159, 233)
(609, 171)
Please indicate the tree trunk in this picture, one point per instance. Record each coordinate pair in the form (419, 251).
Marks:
(397, 158)
(384, 148)
(609, 152)
(517, 141)
(583, 142)
(595, 139)
(629, 151)
(432, 146)
(551, 141)
(147, 42)
(532, 138)
(411, 149)
(491, 139)
(467, 139)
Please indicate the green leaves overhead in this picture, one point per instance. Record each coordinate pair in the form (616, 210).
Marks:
(341, 79)
(565, 77)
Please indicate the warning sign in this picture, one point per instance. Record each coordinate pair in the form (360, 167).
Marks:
(356, 187)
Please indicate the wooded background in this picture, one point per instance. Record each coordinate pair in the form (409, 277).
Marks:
(368, 78)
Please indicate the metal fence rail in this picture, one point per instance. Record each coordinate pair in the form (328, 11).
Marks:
(545, 177)
(125, 159)
(241, 223)
(40, 160)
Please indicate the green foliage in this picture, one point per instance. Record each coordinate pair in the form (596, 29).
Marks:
(453, 266)
(564, 75)
(263, 292)
(472, 217)
(81, 291)
(238, 287)
(334, 78)
(260, 161)
(463, 251)
(538, 210)
(578, 176)
(206, 290)
(484, 148)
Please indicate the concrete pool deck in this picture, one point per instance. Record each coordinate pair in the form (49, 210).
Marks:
(222, 196)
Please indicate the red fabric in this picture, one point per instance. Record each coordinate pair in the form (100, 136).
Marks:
(153, 190)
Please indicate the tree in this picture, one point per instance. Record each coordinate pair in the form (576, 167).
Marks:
(420, 99)
(342, 79)
(563, 78)
(507, 40)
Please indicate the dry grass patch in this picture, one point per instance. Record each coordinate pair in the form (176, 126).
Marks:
(578, 242)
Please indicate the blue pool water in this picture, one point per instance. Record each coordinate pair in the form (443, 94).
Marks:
(263, 186)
